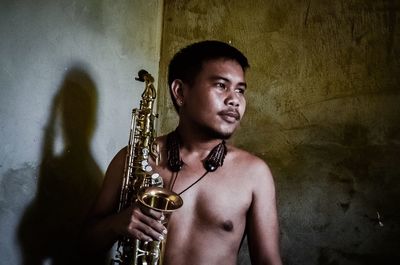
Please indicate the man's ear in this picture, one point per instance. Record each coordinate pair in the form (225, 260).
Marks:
(177, 91)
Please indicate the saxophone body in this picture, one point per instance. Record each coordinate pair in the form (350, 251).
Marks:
(140, 184)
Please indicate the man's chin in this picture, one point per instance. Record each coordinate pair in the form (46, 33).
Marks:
(220, 134)
(226, 136)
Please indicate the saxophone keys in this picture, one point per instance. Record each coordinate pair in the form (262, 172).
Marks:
(145, 166)
(157, 180)
(145, 151)
(155, 176)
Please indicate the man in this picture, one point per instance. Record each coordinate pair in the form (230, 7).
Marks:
(227, 192)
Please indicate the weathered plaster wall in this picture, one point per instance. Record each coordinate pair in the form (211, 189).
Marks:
(323, 111)
(66, 92)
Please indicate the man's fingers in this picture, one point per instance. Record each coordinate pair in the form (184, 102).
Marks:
(155, 224)
(153, 213)
(146, 227)
(140, 235)
(142, 231)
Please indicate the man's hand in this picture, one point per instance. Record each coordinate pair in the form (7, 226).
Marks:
(142, 224)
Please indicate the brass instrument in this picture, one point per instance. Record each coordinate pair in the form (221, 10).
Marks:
(140, 184)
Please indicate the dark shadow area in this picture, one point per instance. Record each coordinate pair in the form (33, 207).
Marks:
(341, 203)
(69, 180)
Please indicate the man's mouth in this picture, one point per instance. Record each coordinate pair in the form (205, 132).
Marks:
(231, 114)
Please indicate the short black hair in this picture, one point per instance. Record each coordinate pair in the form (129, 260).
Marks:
(188, 62)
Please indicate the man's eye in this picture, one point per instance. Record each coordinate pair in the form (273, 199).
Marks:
(221, 85)
(240, 90)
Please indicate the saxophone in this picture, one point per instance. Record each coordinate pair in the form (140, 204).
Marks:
(140, 184)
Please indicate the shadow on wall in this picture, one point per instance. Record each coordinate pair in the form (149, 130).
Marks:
(69, 180)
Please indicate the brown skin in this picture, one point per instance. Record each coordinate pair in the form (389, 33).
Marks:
(239, 197)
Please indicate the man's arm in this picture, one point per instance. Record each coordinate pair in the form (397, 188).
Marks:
(262, 219)
(105, 225)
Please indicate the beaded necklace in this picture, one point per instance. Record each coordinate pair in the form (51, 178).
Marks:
(214, 160)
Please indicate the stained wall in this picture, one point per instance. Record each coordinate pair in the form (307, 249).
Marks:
(67, 88)
(323, 111)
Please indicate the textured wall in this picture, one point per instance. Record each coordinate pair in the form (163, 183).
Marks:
(66, 92)
(323, 111)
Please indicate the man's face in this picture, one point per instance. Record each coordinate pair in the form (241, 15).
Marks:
(215, 101)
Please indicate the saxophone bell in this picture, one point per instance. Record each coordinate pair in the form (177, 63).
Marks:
(160, 199)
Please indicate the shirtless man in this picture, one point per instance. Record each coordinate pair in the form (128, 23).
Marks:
(207, 85)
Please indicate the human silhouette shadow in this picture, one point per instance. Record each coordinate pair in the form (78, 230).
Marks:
(68, 181)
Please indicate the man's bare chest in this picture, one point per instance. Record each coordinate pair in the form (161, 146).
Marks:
(216, 200)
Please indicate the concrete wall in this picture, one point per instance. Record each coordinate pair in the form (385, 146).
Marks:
(66, 92)
(323, 111)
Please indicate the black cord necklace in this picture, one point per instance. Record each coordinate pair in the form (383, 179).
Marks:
(214, 160)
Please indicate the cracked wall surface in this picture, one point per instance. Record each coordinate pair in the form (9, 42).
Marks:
(323, 111)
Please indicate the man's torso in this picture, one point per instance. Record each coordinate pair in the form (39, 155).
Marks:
(209, 227)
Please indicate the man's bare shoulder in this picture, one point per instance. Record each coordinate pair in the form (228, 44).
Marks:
(243, 159)
(161, 141)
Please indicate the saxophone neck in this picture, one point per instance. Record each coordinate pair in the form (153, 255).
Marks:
(149, 94)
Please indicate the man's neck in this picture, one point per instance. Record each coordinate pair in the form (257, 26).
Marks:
(194, 143)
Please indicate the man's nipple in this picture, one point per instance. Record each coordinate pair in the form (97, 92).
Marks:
(227, 226)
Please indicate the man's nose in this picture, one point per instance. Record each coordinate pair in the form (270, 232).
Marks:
(232, 99)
